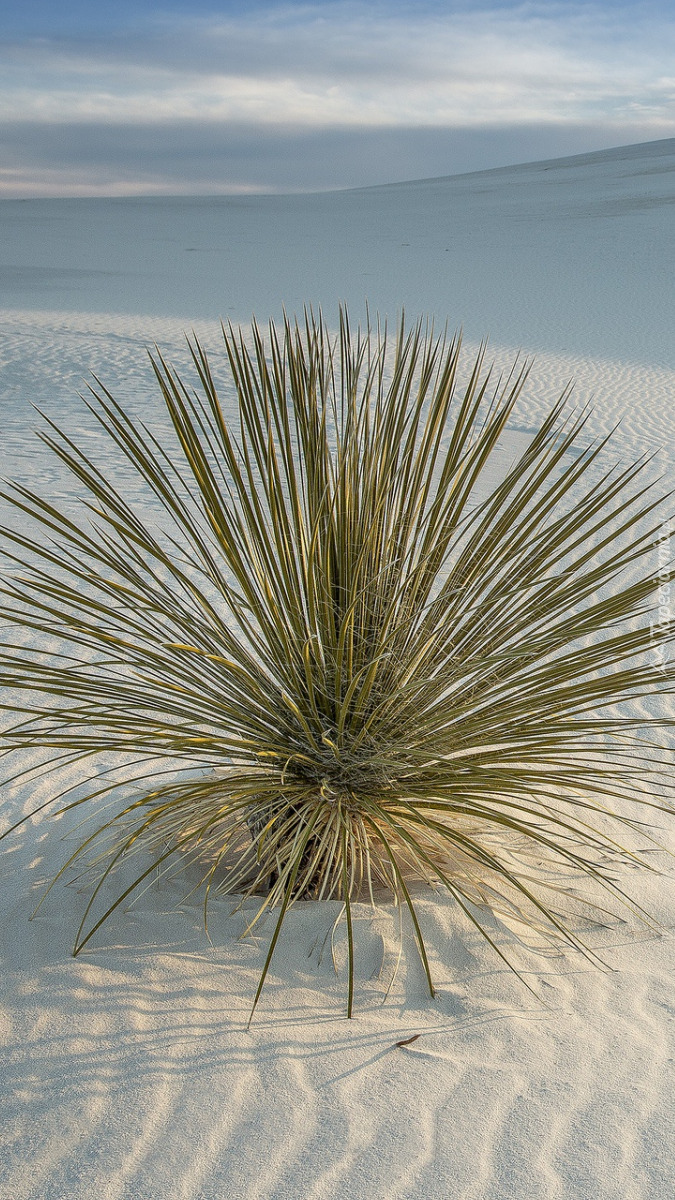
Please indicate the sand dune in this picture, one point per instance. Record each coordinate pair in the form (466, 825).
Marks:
(130, 1073)
(574, 255)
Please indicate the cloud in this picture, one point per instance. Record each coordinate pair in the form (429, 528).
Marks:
(291, 96)
(207, 158)
(333, 65)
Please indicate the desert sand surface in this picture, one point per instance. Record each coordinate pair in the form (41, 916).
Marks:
(129, 1073)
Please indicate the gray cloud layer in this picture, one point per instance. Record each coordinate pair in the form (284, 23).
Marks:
(209, 157)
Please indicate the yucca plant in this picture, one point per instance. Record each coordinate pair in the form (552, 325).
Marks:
(391, 673)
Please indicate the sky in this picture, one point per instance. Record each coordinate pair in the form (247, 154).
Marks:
(213, 97)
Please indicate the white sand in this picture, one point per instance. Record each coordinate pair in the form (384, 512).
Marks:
(128, 1074)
